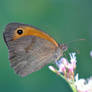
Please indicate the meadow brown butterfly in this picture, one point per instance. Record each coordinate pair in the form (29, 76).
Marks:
(29, 48)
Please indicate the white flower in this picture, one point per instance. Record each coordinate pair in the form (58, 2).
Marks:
(51, 68)
(73, 57)
(63, 63)
(62, 68)
(83, 85)
(73, 60)
(91, 53)
(67, 68)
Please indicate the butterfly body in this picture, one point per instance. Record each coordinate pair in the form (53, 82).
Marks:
(29, 48)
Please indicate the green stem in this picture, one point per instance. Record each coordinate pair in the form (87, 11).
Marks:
(73, 87)
(70, 84)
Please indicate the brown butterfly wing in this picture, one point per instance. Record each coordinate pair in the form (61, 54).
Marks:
(30, 53)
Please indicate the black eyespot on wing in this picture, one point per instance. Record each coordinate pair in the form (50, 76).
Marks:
(20, 31)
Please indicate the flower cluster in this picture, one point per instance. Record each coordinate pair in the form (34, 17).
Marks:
(66, 70)
(83, 85)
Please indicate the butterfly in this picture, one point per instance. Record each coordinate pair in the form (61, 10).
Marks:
(30, 48)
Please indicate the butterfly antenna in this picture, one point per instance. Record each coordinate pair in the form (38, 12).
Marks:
(65, 47)
(82, 39)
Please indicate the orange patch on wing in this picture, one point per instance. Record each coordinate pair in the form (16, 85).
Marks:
(27, 31)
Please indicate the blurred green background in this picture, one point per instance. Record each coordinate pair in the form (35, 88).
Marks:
(64, 20)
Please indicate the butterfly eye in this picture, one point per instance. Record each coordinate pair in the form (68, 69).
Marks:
(20, 31)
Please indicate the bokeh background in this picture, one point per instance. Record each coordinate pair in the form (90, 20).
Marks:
(64, 20)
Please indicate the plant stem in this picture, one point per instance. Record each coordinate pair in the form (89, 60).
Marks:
(70, 84)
